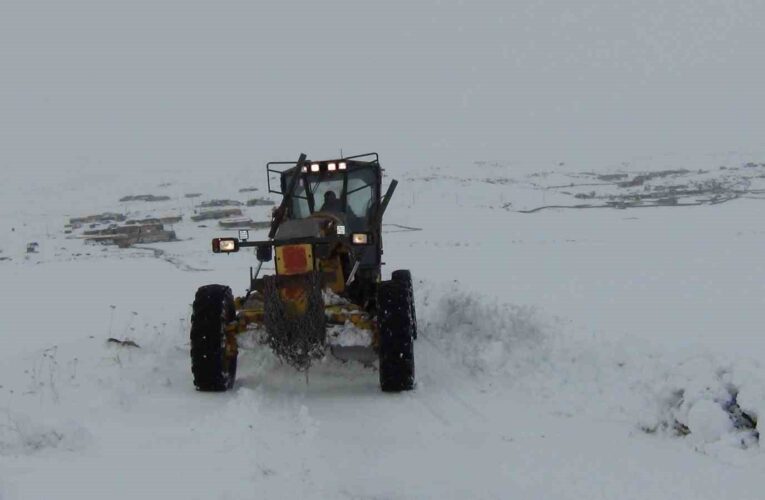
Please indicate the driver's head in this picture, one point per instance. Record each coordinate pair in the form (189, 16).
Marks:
(331, 203)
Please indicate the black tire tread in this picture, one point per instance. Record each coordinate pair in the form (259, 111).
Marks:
(213, 307)
(396, 342)
(404, 276)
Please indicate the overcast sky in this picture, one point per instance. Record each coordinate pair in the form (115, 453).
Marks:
(197, 84)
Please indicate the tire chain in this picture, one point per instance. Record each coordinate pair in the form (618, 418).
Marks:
(299, 340)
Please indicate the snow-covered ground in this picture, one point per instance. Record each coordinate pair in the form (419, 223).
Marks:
(564, 353)
(580, 205)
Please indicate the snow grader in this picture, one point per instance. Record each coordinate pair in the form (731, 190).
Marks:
(327, 293)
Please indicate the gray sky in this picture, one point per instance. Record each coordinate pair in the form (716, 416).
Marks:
(197, 84)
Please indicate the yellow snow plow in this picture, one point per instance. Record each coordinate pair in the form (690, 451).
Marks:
(327, 291)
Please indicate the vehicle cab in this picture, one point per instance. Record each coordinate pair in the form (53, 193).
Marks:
(333, 198)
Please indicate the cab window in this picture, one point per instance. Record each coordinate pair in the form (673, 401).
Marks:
(299, 208)
(361, 192)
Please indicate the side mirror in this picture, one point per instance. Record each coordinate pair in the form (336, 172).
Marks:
(264, 253)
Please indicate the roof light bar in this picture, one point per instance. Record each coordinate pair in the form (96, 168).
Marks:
(342, 165)
(314, 167)
(331, 167)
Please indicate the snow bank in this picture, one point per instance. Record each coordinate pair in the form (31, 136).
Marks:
(712, 402)
(484, 335)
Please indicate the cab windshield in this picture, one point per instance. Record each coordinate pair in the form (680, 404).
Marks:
(349, 194)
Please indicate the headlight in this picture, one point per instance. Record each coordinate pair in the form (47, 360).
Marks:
(225, 245)
(360, 238)
(341, 230)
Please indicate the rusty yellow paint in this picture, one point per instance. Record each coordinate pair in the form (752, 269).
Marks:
(280, 259)
(248, 312)
(251, 316)
(334, 268)
(246, 317)
(352, 313)
(232, 347)
(343, 309)
(362, 322)
(295, 298)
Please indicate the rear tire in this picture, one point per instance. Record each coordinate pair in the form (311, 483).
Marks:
(213, 366)
(404, 277)
(396, 341)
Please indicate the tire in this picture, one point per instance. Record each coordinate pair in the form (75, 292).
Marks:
(404, 277)
(396, 342)
(212, 368)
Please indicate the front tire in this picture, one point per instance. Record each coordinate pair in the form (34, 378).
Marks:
(396, 337)
(213, 353)
(404, 277)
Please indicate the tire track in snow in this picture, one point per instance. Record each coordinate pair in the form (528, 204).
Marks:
(442, 375)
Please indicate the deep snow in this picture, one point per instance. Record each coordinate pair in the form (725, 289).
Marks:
(559, 354)
(565, 353)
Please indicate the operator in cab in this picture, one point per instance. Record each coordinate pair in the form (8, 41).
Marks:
(331, 203)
